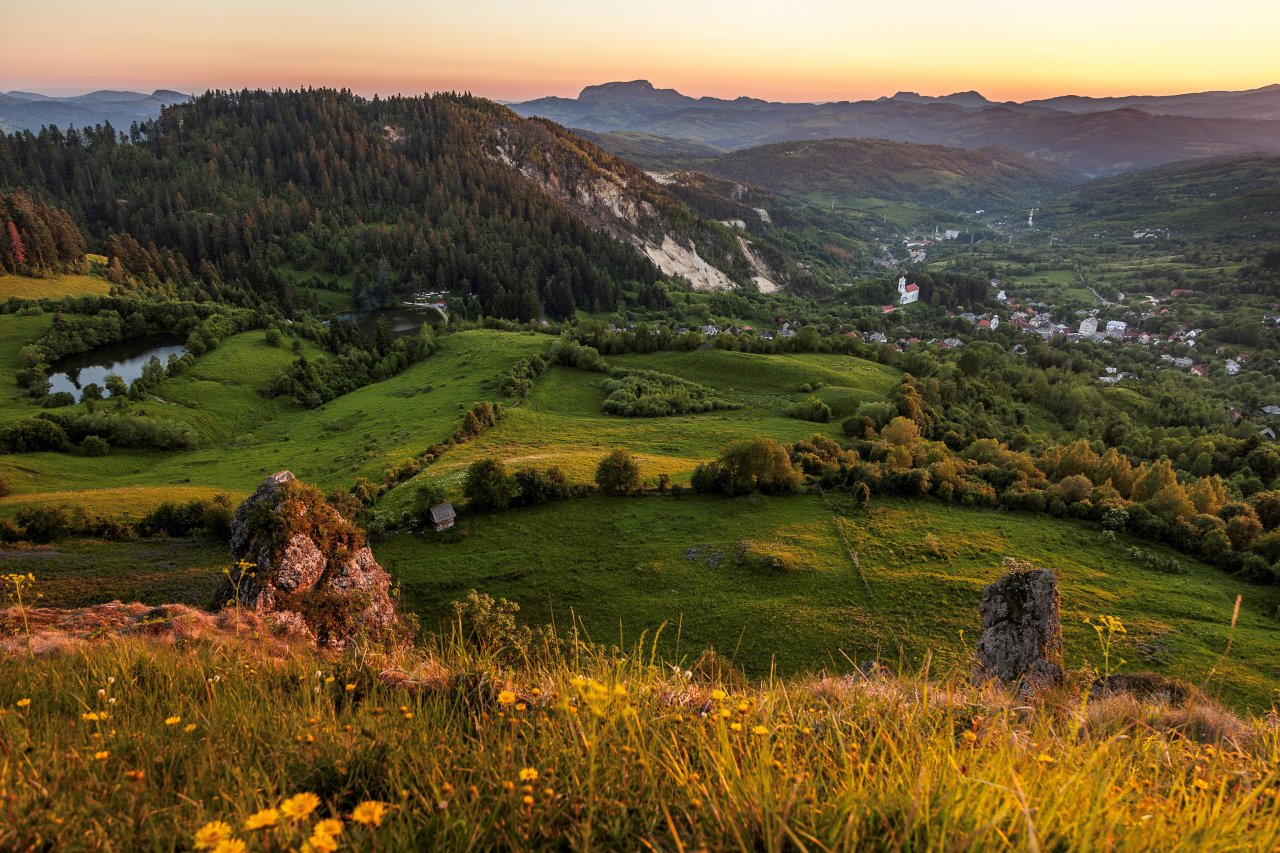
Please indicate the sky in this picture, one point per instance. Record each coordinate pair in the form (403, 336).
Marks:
(800, 50)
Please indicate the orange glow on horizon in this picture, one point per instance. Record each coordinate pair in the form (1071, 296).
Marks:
(812, 50)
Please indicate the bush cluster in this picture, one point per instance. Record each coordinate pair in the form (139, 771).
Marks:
(649, 394)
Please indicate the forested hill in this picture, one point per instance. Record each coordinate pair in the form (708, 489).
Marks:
(446, 192)
(1229, 198)
(902, 171)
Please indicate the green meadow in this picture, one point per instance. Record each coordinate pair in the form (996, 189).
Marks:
(620, 567)
(562, 422)
(899, 582)
(245, 436)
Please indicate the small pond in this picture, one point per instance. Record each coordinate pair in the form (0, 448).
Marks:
(403, 321)
(125, 358)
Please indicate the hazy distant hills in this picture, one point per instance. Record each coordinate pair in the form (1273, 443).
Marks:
(1227, 198)
(1087, 135)
(844, 170)
(31, 111)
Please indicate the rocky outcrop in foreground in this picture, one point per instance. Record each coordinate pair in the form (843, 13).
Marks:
(1022, 634)
(303, 567)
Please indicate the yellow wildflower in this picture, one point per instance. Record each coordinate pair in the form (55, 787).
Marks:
(350, 687)
(969, 737)
(230, 845)
(93, 716)
(299, 805)
(211, 834)
(262, 819)
(320, 844)
(101, 756)
(527, 800)
(744, 706)
(760, 730)
(172, 721)
(1046, 758)
(719, 695)
(22, 703)
(189, 728)
(329, 827)
(1201, 784)
(737, 727)
(507, 697)
(369, 813)
(528, 774)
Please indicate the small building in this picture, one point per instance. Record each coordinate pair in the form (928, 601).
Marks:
(443, 516)
(907, 293)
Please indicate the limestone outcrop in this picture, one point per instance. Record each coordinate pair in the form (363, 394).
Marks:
(302, 566)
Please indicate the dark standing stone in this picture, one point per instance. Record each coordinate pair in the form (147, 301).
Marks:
(1022, 634)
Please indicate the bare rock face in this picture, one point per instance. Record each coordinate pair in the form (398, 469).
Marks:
(304, 568)
(1022, 635)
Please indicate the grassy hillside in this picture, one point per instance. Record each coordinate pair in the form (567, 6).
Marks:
(1224, 198)
(156, 745)
(562, 423)
(626, 566)
(245, 436)
(52, 287)
(845, 170)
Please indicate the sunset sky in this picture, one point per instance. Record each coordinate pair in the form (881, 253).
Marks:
(804, 50)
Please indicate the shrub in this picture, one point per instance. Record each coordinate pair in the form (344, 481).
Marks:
(746, 466)
(540, 487)
(49, 523)
(92, 445)
(59, 400)
(1115, 518)
(812, 409)
(619, 474)
(5, 488)
(648, 394)
(488, 485)
(490, 626)
(33, 436)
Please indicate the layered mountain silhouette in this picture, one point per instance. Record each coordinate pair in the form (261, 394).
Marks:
(32, 111)
(1091, 136)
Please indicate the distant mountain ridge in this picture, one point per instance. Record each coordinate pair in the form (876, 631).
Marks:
(32, 111)
(842, 169)
(1087, 135)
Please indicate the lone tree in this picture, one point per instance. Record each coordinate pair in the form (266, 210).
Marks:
(748, 465)
(618, 474)
(489, 486)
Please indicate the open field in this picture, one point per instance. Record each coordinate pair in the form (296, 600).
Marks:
(155, 571)
(53, 287)
(623, 566)
(562, 423)
(245, 436)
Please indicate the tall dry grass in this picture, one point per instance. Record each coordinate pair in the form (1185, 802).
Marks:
(135, 744)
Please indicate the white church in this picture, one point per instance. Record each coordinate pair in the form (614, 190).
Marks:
(907, 293)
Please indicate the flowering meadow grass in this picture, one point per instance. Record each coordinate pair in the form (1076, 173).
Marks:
(238, 743)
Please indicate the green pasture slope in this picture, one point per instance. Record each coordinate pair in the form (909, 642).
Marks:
(562, 422)
(245, 436)
(623, 566)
